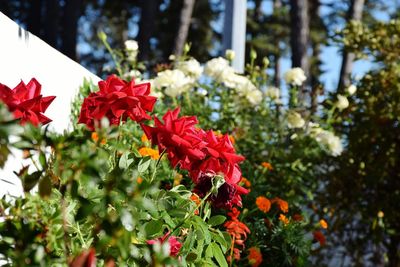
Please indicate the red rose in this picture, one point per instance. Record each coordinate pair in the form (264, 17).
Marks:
(26, 102)
(178, 137)
(117, 100)
(220, 158)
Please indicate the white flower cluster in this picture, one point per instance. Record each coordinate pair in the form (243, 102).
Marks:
(327, 139)
(295, 120)
(221, 71)
(274, 94)
(190, 67)
(342, 102)
(132, 48)
(295, 76)
(174, 81)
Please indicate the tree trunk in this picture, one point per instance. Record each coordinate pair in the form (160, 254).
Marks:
(35, 13)
(299, 38)
(72, 10)
(277, 57)
(355, 13)
(185, 18)
(315, 71)
(51, 22)
(146, 27)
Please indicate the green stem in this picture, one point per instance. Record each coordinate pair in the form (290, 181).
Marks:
(158, 163)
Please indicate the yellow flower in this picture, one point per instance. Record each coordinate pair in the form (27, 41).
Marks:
(323, 223)
(381, 214)
(283, 219)
(263, 204)
(147, 151)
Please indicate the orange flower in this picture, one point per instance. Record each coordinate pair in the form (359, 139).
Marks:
(319, 236)
(195, 198)
(244, 182)
(267, 165)
(282, 204)
(146, 151)
(144, 138)
(255, 257)
(263, 204)
(237, 230)
(283, 219)
(139, 180)
(95, 138)
(323, 223)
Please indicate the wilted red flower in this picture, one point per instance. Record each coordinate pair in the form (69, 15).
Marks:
(178, 137)
(174, 244)
(319, 236)
(228, 195)
(86, 259)
(26, 102)
(255, 257)
(117, 100)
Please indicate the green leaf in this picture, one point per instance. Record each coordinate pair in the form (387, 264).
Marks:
(144, 164)
(216, 220)
(125, 161)
(219, 256)
(29, 181)
(153, 228)
(45, 186)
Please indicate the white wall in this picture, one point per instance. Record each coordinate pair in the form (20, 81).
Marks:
(23, 56)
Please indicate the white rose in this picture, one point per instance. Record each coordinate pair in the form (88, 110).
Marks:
(351, 89)
(254, 97)
(295, 76)
(273, 93)
(230, 54)
(295, 120)
(330, 141)
(216, 66)
(131, 45)
(341, 102)
(191, 68)
(133, 74)
(174, 81)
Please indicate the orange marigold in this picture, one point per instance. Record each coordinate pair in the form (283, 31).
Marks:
(147, 151)
(95, 138)
(323, 223)
(282, 204)
(267, 165)
(263, 204)
(283, 219)
(139, 180)
(232, 139)
(255, 257)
